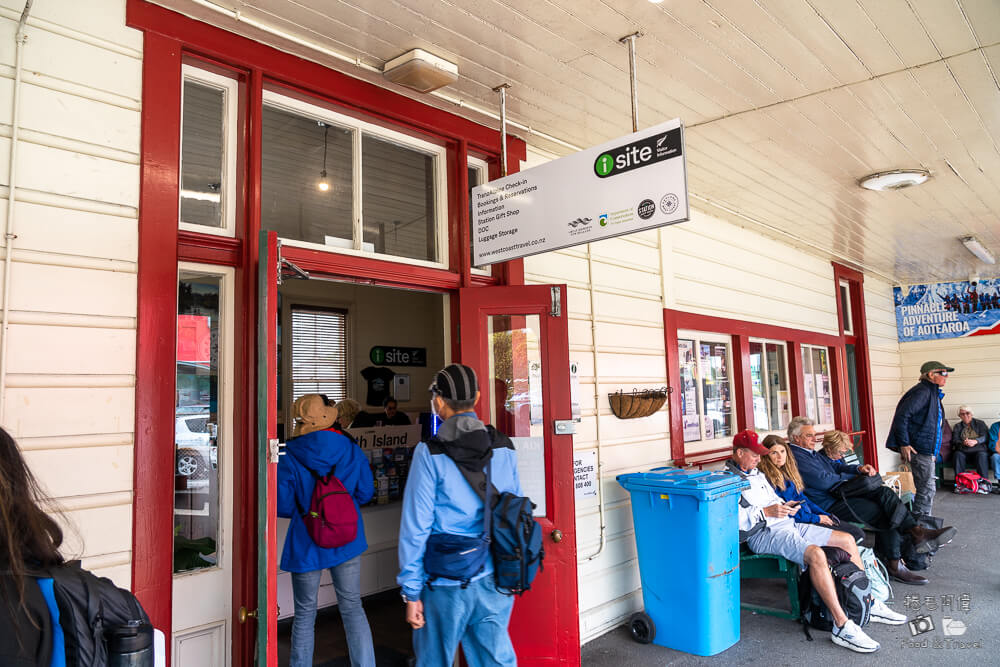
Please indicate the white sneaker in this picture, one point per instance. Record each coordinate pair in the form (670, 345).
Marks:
(852, 637)
(882, 614)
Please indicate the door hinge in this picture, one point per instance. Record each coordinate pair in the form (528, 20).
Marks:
(556, 310)
(272, 450)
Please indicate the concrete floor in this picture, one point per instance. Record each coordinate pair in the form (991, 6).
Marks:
(969, 565)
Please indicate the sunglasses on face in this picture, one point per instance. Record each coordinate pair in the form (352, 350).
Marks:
(943, 374)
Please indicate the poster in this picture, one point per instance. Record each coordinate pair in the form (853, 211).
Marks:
(691, 429)
(531, 470)
(585, 473)
(535, 390)
(947, 310)
(574, 390)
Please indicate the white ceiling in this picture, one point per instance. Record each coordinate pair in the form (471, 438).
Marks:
(786, 102)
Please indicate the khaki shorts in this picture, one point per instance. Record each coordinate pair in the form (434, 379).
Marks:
(790, 540)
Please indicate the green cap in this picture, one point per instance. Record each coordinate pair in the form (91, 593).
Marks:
(934, 366)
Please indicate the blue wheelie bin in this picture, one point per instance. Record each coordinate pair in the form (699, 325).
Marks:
(687, 538)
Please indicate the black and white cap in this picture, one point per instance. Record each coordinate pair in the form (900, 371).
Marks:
(456, 382)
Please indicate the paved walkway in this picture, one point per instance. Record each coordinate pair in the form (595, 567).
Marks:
(969, 565)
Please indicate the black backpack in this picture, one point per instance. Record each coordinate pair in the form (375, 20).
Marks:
(854, 592)
(90, 607)
(908, 552)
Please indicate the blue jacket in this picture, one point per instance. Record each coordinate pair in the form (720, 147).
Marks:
(819, 473)
(991, 442)
(438, 499)
(320, 451)
(917, 422)
(809, 512)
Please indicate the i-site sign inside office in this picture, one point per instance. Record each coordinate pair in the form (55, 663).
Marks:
(631, 184)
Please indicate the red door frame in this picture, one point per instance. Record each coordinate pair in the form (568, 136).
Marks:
(169, 39)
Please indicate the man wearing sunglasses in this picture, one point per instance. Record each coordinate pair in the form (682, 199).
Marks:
(916, 430)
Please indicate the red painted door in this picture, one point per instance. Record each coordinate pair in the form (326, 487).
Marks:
(516, 338)
(267, 450)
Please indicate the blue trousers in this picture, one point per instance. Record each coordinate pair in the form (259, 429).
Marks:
(995, 460)
(477, 616)
(347, 583)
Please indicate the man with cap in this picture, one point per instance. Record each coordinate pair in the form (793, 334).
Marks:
(438, 499)
(767, 527)
(916, 430)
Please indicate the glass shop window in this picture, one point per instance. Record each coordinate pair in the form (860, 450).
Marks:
(319, 353)
(769, 384)
(705, 362)
(818, 386)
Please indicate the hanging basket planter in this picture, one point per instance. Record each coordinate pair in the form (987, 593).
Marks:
(638, 403)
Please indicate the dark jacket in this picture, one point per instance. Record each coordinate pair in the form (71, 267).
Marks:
(982, 435)
(915, 423)
(35, 647)
(809, 512)
(820, 473)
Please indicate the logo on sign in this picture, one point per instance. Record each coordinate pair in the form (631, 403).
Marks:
(646, 209)
(579, 222)
(641, 153)
(669, 203)
(385, 355)
(602, 220)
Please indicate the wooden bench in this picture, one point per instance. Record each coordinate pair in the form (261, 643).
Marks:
(766, 566)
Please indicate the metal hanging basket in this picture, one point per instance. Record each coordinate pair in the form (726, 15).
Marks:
(638, 403)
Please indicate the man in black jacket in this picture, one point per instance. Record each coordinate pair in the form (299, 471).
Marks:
(916, 430)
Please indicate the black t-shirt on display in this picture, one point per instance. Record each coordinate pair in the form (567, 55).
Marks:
(379, 383)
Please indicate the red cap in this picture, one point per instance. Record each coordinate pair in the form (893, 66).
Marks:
(748, 440)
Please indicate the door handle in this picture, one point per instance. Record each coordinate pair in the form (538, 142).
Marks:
(244, 615)
(556, 535)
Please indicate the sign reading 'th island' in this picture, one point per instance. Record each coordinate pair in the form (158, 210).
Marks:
(628, 185)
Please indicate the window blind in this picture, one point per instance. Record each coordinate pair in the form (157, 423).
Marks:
(319, 353)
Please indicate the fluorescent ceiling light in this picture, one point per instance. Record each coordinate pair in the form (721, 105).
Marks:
(203, 196)
(974, 246)
(421, 71)
(896, 179)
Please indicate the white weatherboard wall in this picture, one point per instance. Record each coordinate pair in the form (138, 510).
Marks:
(888, 383)
(71, 356)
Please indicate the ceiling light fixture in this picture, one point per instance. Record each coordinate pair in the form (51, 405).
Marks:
(421, 71)
(975, 246)
(897, 179)
(324, 182)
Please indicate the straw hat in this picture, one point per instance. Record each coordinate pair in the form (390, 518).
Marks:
(311, 414)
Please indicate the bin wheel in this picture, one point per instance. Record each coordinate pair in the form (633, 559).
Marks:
(642, 628)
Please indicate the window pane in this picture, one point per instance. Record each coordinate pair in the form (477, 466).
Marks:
(689, 387)
(809, 381)
(717, 416)
(398, 202)
(824, 394)
(777, 382)
(196, 471)
(759, 381)
(319, 353)
(845, 307)
(296, 152)
(202, 154)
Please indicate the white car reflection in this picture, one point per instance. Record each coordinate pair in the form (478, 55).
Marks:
(197, 453)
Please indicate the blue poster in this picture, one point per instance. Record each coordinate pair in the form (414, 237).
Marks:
(947, 310)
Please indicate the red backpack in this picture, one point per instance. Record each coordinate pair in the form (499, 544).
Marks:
(971, 482)
(332, 519)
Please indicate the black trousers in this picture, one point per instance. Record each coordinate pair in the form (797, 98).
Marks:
(977, 456)
(877, 510)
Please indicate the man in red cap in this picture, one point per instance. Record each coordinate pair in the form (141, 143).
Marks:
(767, 527)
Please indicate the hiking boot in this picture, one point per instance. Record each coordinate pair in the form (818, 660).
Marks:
(925, 541)
(898, 572)
(882, 614)
(852, 637)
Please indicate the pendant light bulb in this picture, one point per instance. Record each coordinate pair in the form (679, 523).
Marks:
(324, 182)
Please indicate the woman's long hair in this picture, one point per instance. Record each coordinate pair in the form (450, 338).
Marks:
(833, 442)
(779, 477)
(28, 536)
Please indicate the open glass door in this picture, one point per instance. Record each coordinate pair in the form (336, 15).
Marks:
(516, 338)
(267, 450)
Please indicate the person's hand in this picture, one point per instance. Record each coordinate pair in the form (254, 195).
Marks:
(824, 520)
(792, 509)
(905, 452)
(971, 442)
(867, 469)
(776, 511)
(415, 614)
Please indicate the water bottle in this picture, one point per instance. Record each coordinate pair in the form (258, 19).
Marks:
(130, 645)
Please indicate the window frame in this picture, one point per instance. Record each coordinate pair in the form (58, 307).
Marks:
(230, 131)
(317, 111)
(847, 315)
(820, 426)
(784, 346)
(483, 167)
(703, 444)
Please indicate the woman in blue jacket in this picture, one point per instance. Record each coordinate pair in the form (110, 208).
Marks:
(316, 448)
(781, 471)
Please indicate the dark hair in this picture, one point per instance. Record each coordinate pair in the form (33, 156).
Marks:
(28, 536)
(458, 406)
(389, 399)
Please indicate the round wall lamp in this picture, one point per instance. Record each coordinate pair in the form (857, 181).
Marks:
(896, 179)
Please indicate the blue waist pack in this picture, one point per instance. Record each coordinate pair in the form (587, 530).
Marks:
(459, 557)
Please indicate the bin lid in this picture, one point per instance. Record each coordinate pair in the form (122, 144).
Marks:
(702, 483)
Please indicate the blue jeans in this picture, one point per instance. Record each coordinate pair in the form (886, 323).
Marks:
(476, 616)
(347, 583)
(995, 460)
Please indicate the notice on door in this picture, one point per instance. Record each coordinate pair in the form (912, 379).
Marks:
(627, 185)
(585, 473)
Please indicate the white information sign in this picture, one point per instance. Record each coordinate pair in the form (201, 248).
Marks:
(585, 473)
(377, 437)
(632, 183)
(531, 470)
(574, 390)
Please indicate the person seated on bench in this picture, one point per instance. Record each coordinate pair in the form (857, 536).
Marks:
(881, 509)
(767, 527)
(968, 443)
(993, 448)
(780, 470)
(836, 444)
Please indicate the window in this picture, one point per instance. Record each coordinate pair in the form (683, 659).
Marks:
(844, 290)
(705, 361)
(769, 384)
(319, 352)
(208, 156)
(478, 174)
(818, 385)
(334, 181)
